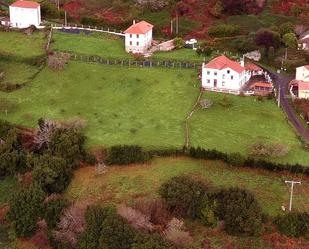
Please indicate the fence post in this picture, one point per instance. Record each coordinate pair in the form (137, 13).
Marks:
(129, 63)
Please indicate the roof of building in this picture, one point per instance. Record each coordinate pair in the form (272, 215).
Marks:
(307, 67)
(253, 67)
(223, 62)
(303, 85)
(25, 4)
(263, 84)
(139, 28)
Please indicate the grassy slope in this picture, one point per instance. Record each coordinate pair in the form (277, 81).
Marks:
(107, 46)
(179, 55)
(16, 72)
(133, 107)
(236, 128)
(137, 107)
(122, 184)
(19, 44)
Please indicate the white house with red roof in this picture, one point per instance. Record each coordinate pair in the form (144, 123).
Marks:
(302, 77)
(23, 14)
(224, 73)
(138, 37)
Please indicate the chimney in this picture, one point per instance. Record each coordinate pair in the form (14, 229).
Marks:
(133, 22)
(242, 61)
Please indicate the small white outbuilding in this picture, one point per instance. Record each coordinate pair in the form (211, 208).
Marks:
(23, 14)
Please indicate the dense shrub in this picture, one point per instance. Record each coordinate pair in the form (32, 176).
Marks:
(153, 241)
(52, 211)
(176, 233)
(126, 154)
(68, 144)
(183, 195)
(12, 156)
(223, 30)
(294, 224)
(57, 61)
(251, 162)
(207, 212)
(52, 173)
(5, 127)
(240, 211)
(267, 38)
(25, 209)
(178, 42)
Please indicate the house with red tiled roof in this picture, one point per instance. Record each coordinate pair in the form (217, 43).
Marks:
(224, 73)
(254, 69)
(302, 79)
(138, 37)
(23, 14)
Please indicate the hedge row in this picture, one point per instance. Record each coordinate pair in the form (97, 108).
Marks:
(236, 159)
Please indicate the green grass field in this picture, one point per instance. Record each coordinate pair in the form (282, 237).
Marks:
(122, 184)
(179, 55)
(237, 128)
(105, 45)
(138, 107)
(22, 45)
(16, 72)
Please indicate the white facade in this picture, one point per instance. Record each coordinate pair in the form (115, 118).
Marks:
(222, 73)
(23, 16)
(138, 37)
(138, 43)
(302, 73)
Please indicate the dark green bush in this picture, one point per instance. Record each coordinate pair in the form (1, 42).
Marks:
(52, 211)
(240, 211)
(26, 207)
(126, 154)
(223, 30)
(52, 173)
(183, 195)
(294, 224)
(150, 241)
(5, 127)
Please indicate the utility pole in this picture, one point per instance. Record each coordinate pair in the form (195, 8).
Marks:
(279, 96)
(171, 26)
(65, 18)
(291, 193)
(177, 23)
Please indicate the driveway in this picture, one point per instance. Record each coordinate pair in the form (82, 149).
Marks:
(282, 82)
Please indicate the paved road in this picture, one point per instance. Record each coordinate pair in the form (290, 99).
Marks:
(283, 82)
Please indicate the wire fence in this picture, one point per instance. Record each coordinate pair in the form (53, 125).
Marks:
(129, 63)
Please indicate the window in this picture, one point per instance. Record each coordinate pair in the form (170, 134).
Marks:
(232, 77)
(208, 73)
(223, 83)
(223, 76)
(130, 42)
(130, 35)
(137, 43)
(137, 36)
(208, 81)
(228, 71)
(215, 73)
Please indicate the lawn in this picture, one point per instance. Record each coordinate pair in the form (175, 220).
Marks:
(138, 107)
(183, 54)
(7, 185)
(121, 105)
(238, 127)
(105, 45)
(21, 45)
(16, 72)
(122, 184)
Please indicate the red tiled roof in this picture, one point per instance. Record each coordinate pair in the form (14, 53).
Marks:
(223, 62)
(139, 28)
(253, 67)
(263, 84)
(303, 85)
(25, 4)
(307, 67)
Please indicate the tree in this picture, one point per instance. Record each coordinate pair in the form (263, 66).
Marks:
(12, 156)
(204, 50)
(183, 195)
(217, 9)
(116, 233)
(25, 209)
(267, 38)
(53, 210)
(178, 42)
(240, 211)
(153, 241)
(52, 173)
(293, 224)
(290, 40)
(286, 28)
